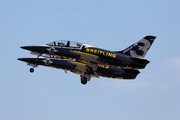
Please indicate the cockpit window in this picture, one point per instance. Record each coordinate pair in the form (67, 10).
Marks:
(64, 43)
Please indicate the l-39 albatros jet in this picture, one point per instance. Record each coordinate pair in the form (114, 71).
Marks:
(129, 58)
(80, 67)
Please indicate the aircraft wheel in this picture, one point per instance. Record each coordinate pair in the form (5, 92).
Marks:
(31, 70)
(83, 80)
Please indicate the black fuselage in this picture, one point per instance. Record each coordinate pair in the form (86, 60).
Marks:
(99, 55)
(102, 70)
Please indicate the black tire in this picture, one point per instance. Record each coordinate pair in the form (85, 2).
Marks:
(83, 80)
(31, 70)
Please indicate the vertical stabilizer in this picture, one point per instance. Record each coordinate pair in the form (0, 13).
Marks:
(140, 48)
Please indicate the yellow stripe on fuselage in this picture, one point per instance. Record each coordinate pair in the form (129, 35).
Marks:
(119, 78)
(84, 53)
(141, 58)
(79, 63)
(126, 67)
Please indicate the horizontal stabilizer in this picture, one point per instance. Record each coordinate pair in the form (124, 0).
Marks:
(140, 61)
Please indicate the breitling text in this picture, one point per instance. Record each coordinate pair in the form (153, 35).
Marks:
(98, 52)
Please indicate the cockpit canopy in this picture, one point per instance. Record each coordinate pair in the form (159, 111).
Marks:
(65, 43)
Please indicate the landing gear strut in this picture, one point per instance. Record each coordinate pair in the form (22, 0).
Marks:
(83, 80)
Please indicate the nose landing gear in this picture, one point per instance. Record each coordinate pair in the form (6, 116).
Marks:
(33, 66)
(31, 70)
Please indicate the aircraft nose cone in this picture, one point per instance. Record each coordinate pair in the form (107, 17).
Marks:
(35, 48)
(27, 59)
(20, 59)
(30, 47)
(26, 47)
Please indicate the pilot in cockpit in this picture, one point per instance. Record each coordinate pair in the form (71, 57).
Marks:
(60, 43)
(79, 45)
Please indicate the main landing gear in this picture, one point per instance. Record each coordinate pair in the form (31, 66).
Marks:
(83, 80)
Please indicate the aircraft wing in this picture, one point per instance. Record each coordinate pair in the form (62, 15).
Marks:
(86, 67)
(92, 61)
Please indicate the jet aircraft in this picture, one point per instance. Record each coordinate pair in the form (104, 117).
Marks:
(130, 58)
(80, 67)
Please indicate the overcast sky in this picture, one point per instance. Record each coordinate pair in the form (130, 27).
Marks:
(109, 24)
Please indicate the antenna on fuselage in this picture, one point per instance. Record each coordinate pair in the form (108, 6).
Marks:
(68, 44)
(54, 43)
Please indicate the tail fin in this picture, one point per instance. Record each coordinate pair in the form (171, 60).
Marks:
(140, 48)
